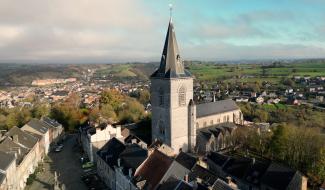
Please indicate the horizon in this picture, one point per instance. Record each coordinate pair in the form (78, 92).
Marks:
(58, 32)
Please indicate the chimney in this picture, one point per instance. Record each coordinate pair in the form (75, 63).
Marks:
(186, 178)
(130, 172)
(119, 162)
(15, 138)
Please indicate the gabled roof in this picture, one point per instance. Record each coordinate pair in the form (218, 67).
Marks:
(24, 138)
(278, 176)
(51, 122)
(237, 167)
(173, 183)
(186, 160)
(207, 177)
(153, 168)
(171, 64)
(37, 125)
(111, 151)
(221, 185)
(6, 160)
(8, 146)
(133, 156)
(217, 107)
(217, 158)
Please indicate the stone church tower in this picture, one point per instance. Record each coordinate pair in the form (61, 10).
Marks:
(171, 94)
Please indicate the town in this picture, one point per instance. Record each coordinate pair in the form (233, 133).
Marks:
(235, 102)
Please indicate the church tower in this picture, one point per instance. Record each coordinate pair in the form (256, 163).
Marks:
(171, 93)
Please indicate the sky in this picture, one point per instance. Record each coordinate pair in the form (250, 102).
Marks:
(106, 31)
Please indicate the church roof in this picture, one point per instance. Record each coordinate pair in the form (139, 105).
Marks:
(217, 107)
(171, 64)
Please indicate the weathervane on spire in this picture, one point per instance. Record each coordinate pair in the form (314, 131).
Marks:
(171, 11)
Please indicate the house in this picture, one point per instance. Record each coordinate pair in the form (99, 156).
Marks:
(129, 160)
(56, 129)
(280, 177)
(157, 162)
(41, 131)
(259, 100)
(25, 147)
(249, 173)
(94, 138)
(7, 171)
(107, 158)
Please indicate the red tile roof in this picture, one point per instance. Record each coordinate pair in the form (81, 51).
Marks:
(153, 168)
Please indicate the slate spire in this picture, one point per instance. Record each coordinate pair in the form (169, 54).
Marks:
(171, 63)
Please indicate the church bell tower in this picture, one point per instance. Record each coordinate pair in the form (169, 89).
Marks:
(171, 92)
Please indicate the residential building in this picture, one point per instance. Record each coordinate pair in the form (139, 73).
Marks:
(94, 138)
(7, 171)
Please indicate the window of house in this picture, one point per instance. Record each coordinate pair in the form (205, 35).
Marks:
(197, 125)
(161, 97)
(218, 120)
(205, 124)
(211, 122)
(161, 128)
(182, 96)
(228, 118)
(224, 118)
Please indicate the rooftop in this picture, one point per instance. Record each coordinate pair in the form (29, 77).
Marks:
(212, 108)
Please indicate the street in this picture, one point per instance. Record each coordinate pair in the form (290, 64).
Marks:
(67, 166)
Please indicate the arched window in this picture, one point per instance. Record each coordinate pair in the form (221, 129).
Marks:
(205, 124)
(197, 125)
(182, 96)
(228, 118)
(161, 97)
(211, 122)
(161, 128)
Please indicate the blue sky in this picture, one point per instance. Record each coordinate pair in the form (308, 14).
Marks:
(133, 30)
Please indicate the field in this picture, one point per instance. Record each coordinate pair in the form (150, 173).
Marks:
(256, 72)
(19, 74)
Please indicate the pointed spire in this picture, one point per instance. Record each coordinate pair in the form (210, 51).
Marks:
(171, 64)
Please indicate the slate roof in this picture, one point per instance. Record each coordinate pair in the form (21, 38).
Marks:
(221, 185)
(51, 122)
(9, 146)
(176, 170)
(2, 177)
(186, 160)
(111, 151)
(37, 125)
(237, 167)
(218, 159)
(24, 138)
(207, 176)
(153, 168)
(6, 160)
(173, 183)
(171, 64)
(132, 157)
(217, 107)
(278, 176)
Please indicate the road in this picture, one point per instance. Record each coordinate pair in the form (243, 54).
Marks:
(67, 165)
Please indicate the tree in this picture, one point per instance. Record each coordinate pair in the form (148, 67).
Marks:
(108, 112)
(144, 97)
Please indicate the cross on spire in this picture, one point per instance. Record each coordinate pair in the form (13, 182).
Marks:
(171, 11)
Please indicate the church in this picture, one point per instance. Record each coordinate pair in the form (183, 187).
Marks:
(176, 119)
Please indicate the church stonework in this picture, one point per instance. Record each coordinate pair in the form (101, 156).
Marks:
(176, 120)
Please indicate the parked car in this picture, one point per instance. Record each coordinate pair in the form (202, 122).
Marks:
(58, 148)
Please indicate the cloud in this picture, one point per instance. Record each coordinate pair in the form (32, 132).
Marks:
(128, 30)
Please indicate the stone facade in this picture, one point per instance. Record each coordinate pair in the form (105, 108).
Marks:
(175, 117)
